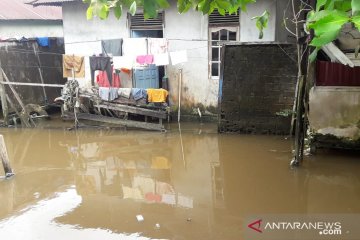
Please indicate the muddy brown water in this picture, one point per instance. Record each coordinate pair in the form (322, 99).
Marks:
(115, 184)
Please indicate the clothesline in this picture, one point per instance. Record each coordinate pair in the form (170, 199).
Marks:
(60, 54)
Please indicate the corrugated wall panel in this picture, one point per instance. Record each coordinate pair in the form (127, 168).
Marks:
(336, 74)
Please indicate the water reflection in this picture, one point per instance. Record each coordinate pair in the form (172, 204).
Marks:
(202, 189)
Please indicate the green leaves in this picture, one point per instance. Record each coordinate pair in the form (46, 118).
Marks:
(355, 5)
(312, 56)
(328, 27)
(319, 4)
(118, 10)
(132, 9)
(89, 13)
(328, 19)
(183, 5)
(262, 22)
(101, 8)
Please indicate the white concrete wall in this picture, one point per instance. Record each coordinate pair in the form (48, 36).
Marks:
(187, 31)
(30, 28)
(196, 86)
(78, 29)
(335, 111)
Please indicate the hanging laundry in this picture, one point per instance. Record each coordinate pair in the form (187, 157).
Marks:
(124, 92)
(100, 63)
(138, 93)
(125, 70)
(103, 81)
(108, 93)
(112, 46)
(71, 62)
(145, 59)
(158, 45)
(43, 41)
(161, 59)
(134, 46)
(178, 57)
(123, 62)
(157, 95)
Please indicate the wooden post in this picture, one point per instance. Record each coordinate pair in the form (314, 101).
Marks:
(4, 105)
(17, 97)
(5, 158)
(40, 71)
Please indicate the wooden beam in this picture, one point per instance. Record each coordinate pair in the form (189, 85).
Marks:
(35, 46)
(116, 121)
(135, 110)
(32, 84)
(18, 98)
(22, 117)
(5, 158)
(3, 95)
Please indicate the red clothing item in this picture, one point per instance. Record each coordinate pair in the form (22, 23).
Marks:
(103, 81)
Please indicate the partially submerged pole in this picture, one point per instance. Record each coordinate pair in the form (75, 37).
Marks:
(179, 107)
(5, 158)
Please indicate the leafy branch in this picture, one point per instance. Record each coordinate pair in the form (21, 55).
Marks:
(328, 19)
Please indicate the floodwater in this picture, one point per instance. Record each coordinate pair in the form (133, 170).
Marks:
(117, 184)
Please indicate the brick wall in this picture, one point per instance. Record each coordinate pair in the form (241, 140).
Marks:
(258, 80)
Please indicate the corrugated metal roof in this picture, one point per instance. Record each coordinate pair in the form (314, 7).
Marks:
(19, 10)
(57, 3)
(336, 74)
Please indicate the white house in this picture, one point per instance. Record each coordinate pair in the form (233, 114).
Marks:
(197, 33)
(18, 19)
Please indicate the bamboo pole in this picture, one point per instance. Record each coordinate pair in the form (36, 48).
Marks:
(179, 107)
(5, 158)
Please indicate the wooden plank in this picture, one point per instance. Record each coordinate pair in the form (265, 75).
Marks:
(127, 123)
(21, 116)
(135, 110)
(336, 54)
(17, 97)
(32, 84)
(3, 100)
(35, 46)
(5, 158)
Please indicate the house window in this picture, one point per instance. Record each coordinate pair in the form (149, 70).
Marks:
(219, 35)
(152, 28)
(222, 28)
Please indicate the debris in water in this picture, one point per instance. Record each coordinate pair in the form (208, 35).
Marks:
(157, 226)
(188, 219)
(140, 218)
(37, 195)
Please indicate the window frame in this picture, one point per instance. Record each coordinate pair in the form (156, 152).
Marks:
(217, 28)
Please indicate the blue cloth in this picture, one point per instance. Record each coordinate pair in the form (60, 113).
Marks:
(138, 93)
(43, 41)
(108, 94)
